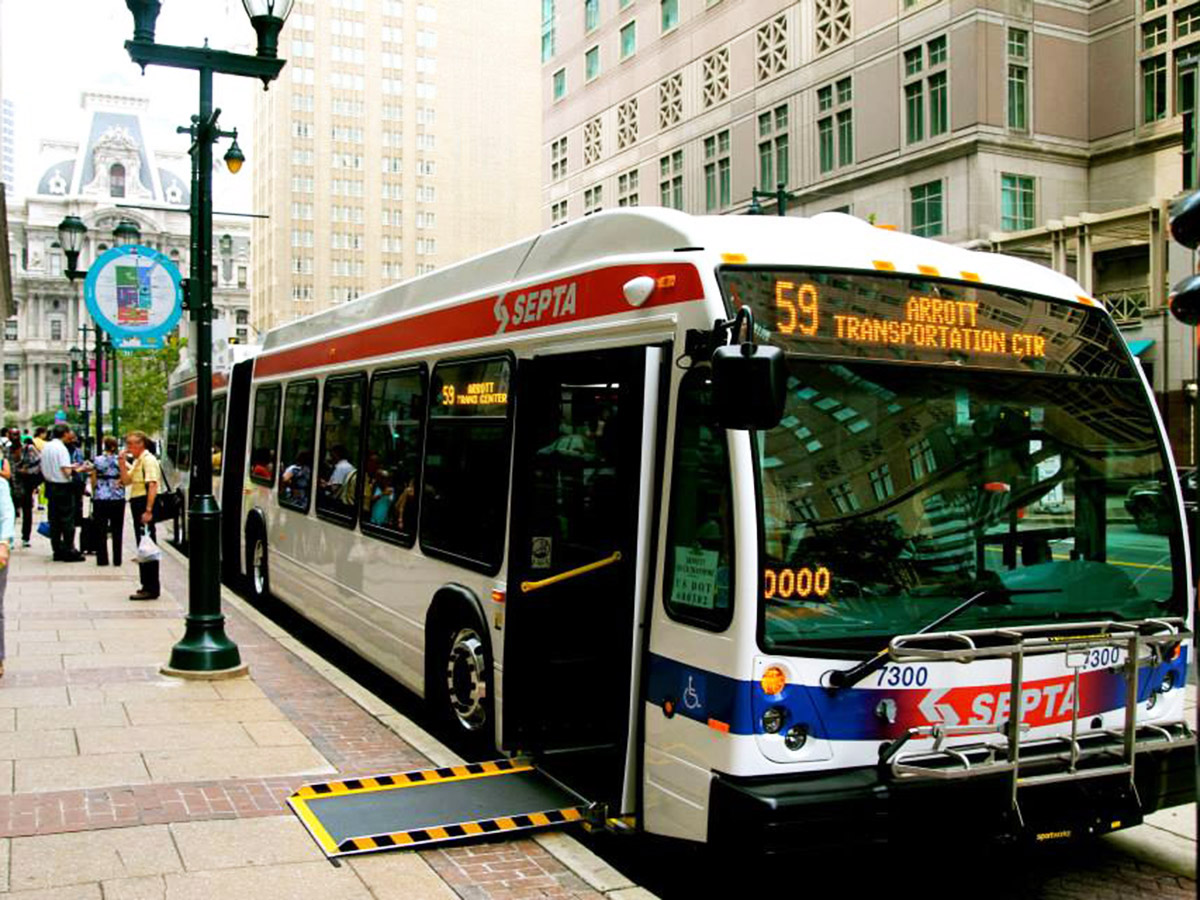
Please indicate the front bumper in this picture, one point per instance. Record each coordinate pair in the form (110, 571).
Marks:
(869, 805)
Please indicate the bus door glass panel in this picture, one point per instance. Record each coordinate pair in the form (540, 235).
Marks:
(183, 455)
(218, 434)
(296, 445)
(572, 568)
(172, 448)
(341, 447)
(264, 435)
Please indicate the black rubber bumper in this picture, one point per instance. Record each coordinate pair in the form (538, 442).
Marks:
(865, 806)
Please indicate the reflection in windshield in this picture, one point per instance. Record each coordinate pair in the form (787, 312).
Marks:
(891, 493)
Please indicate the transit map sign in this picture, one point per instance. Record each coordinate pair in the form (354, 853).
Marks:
(135, 294)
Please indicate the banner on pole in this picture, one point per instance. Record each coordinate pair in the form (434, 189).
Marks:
(135, 295)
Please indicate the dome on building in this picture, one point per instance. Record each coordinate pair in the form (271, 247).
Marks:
(57, 179)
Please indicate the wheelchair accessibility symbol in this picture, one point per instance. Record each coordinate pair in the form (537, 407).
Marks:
(691, 698)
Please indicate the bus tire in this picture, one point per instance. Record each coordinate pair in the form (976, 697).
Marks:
(461, 676)
(258, 576)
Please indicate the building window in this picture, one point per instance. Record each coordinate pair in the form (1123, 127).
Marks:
(881, 483)
(927, 81)
(771, 48)
(1016, 202)
(628, 40)
(592, 143)
(547, 30)
(926, 209)
(921, 459)
(773, 148)
(1154, 89)
(1151, 5)
(593, 199)
(56, 330)
(717, 174)
(716, 77)
(670, 14)
(833, 24)
(591, 63)
(560, 84)
(55, 261)
(939, 104)
(670, 180)
(558, 159)
(10, 329)
(627, 188)
(116, 180)
(1154, 32)
(1187, 21)
(1018, 79)
(591, 14)
(670, 101)
(835, 127)
(843, 497)
(558, 213)
(627, 124)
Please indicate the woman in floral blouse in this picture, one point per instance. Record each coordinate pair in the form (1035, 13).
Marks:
(108, 503)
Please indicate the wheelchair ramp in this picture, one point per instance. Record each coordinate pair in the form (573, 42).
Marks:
(429, 806)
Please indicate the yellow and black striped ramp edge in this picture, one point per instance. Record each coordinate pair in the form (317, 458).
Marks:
(428, 806)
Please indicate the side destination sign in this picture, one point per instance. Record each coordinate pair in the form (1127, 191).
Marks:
(588, 295)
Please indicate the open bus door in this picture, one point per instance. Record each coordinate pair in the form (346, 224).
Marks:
(583, 514)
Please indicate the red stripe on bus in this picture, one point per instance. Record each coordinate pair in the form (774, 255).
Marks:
(188, 388)
(597, 293)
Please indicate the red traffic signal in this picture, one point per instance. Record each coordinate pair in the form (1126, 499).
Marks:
(1185, 220)
(1185, 300)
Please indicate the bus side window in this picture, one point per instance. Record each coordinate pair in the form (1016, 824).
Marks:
(464, 490)
(341, 448)
(392, 468)
(296, 445)
(218, 433)
(698, 586)
(264, 434)
(183, 450)
(172, 447)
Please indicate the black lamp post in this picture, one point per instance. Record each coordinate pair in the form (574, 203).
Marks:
(779, 195)
(76, 356)
(205, 648)
(125, 234)
(71, 233)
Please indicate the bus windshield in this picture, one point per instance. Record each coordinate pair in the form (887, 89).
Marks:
(894, 488)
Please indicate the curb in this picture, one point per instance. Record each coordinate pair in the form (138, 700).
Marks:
(594, 871)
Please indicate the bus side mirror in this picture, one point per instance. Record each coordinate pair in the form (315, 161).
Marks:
(749, 386)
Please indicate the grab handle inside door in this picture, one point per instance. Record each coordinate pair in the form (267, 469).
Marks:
(527, 586)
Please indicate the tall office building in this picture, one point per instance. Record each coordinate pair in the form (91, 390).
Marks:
(402, 135)
(1041, 129)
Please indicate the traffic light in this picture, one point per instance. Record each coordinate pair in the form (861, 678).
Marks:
(1185, 228)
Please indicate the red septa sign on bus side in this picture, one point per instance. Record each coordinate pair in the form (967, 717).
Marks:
(588, 295)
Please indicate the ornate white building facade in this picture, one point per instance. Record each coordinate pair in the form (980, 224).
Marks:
(110, 174)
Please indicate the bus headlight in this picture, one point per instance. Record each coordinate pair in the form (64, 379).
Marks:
(796, 737)
(772, 719)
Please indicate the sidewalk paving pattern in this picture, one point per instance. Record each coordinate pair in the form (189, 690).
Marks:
(119, 783)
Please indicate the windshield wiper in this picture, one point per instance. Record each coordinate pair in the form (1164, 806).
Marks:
(844, 678)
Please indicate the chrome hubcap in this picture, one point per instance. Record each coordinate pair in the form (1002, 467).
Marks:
(466, 681)
(259, 566)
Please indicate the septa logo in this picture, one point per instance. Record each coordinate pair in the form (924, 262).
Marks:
(1043, 702)
(536, 305)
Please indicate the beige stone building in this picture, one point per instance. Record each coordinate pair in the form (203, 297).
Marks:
(402, 135)
(1049, 129)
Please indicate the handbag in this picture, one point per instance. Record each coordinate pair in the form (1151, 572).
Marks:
(167, 503)
(44, 529)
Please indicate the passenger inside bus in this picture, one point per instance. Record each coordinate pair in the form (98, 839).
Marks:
(296, 480)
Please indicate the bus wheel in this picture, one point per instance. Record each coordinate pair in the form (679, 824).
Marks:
(468, 704)
(256, 559)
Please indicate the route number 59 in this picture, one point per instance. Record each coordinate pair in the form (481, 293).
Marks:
(798, 311)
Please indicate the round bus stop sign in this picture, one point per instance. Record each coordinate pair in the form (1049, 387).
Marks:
(135, 294)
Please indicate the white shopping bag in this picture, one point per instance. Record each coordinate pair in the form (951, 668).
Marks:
(147, 550)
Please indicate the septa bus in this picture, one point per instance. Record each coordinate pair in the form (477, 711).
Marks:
(908, 597)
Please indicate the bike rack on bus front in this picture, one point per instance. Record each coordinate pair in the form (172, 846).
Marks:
(1094, 754)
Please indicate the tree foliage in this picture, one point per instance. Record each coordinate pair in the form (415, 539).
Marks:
(143, 377)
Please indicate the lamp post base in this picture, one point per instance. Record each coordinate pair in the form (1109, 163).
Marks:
(204, 648)
(215, 675)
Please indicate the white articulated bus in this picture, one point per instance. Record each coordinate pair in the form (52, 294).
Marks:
(909, 595)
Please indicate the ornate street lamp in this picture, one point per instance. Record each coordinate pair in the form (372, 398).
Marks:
(234, 157)
(267, 17)
(126, 233)
(205, 648)
(71, 232)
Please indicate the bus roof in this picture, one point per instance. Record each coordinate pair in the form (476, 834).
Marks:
(833, 240)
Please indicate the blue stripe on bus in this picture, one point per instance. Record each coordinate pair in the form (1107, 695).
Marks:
(854, 714)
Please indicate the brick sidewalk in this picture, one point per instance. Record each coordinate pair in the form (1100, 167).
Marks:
(118, 782)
